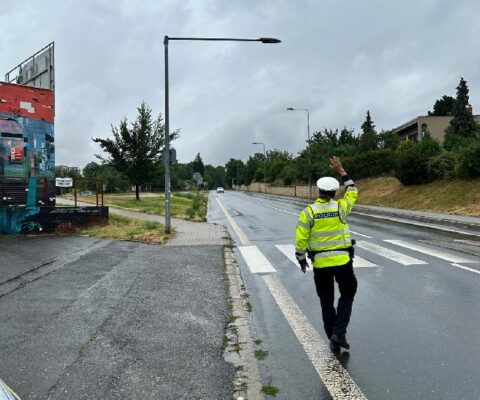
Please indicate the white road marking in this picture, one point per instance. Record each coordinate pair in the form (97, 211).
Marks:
(410, 222)
(276, 208)
(470, 242)
(390, 254)
(466, 268)
(255, 260)
(431, 252)
(337, 380)
(360, 234)
(288, 251)
(243, 238)
(359, 262)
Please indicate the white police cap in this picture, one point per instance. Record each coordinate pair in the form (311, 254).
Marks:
(328, 184)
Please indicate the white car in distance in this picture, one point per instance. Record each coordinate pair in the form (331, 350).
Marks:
(220, 190)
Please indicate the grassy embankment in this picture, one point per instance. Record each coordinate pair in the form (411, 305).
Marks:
(454, 196)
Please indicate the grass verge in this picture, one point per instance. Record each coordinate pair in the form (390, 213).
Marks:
(184, 205)
(125, 228)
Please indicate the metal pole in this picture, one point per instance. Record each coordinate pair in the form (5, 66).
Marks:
(166, 156)
(309, 151)
(264, 168)
(309, 156)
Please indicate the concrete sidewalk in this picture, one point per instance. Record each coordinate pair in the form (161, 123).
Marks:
(101, 319)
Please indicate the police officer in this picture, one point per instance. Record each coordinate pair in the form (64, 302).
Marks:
(322, 233)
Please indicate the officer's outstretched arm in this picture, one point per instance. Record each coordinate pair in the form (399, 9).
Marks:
(351, 194)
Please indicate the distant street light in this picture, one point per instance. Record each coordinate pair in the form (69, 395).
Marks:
(264, 164)
(167, 115)
(308, 152)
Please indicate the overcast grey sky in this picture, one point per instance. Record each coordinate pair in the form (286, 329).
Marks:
(337, 58)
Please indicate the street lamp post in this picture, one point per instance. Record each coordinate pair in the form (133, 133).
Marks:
(166, 156)
(264, 165)
(308, 153)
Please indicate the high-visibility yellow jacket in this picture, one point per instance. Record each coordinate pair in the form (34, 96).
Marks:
(322, 228)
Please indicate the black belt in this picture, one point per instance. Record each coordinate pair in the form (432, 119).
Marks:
(351, 251)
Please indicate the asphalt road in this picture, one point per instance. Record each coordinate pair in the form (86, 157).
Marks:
(82, 318)
(415, 323)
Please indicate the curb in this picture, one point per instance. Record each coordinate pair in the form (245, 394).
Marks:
(240, 346)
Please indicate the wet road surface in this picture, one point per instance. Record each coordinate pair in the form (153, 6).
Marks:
(415, 322)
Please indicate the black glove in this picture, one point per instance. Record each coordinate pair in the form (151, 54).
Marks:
(303, 265)
(302, 260)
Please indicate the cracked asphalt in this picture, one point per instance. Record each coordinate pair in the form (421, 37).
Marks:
(83, 318)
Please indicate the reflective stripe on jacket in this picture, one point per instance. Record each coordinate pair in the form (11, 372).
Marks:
(322, 227)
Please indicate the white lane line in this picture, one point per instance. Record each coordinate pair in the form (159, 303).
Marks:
(431, 252)
(470, 242)
(410, 222)
(275, 208)
(243, 238)
(466, 268)
(360, 234)
(390, 254)
(337, 380)
(288, 251)
(255, 260)
(359, 262)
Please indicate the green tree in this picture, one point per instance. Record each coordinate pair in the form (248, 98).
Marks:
(135, 149)
(198, 165)
(444, 106)
(463, 122)
(388, 140)
(90, 171)
(413, 158)
(277, 161)
(368, 139)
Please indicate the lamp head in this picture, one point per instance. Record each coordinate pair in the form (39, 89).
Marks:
(269, 40)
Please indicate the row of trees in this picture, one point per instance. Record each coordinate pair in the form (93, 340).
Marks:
(373, 153)
(134, 154)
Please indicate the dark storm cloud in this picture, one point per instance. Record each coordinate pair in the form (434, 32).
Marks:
(336, 58)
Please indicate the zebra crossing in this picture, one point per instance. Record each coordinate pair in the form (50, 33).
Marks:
(372, 254)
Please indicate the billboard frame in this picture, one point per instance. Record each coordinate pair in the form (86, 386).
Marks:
(17, 74)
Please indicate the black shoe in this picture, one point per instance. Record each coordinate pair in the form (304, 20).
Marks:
(340, 341)
(334, 347)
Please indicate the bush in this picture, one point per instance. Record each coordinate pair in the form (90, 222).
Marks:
(191, 213)
(453, 142)
(469, 162)
(370, 163)
(412, 158)
(443, 166)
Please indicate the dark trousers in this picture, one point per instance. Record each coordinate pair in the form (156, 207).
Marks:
(336, 320)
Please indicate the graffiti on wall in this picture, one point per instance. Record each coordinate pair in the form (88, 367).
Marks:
(50, 219)
(27, 146)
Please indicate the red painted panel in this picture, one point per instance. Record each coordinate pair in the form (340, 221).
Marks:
(29, 102)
